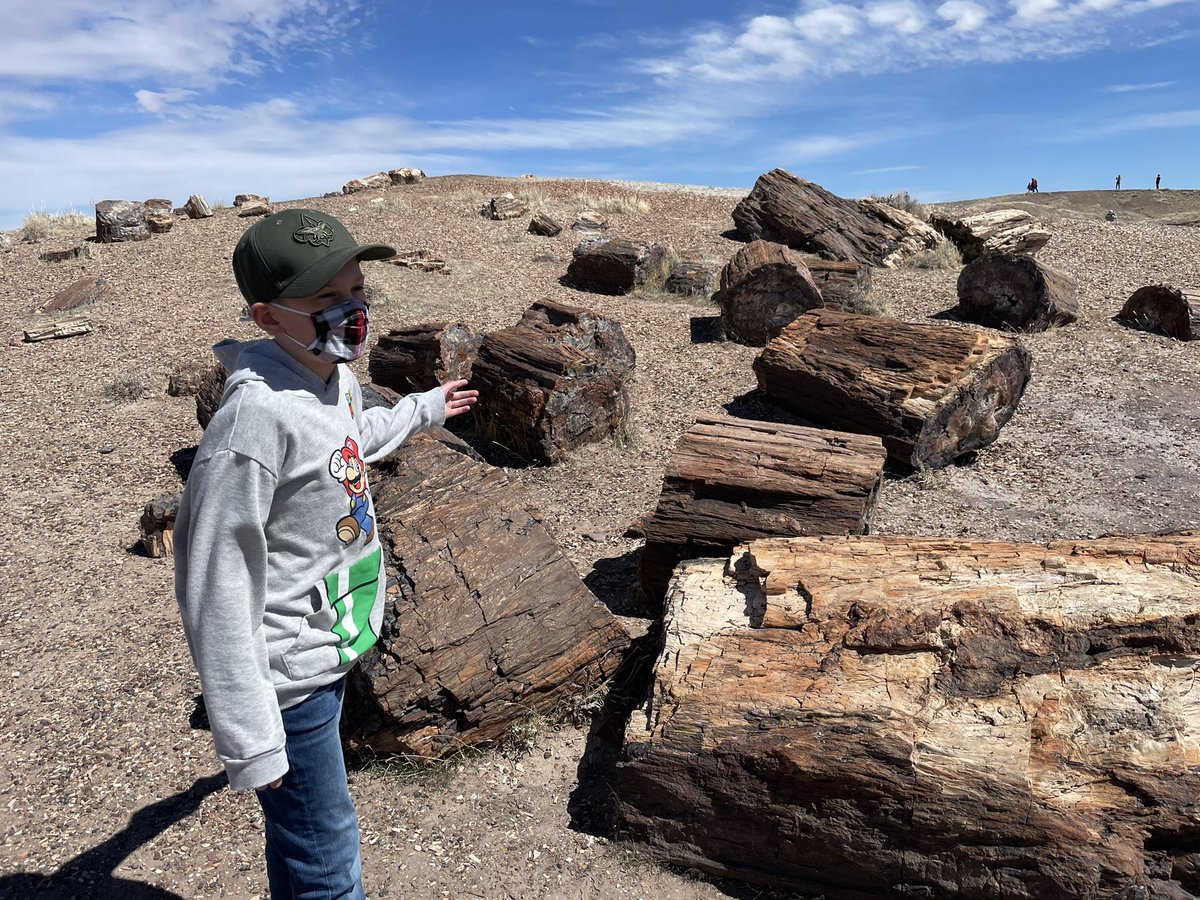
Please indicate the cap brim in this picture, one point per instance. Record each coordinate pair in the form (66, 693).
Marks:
(321, 272)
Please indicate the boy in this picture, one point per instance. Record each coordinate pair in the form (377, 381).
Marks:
(279, 569)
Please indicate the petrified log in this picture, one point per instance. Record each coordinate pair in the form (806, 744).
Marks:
(806, 217)
(63, 328)
(209, 392)
(160, 218)
(406, 175)
(932, 392)
(505, 207)
(423, 356)
(197, 207)
(253, 208)
(763, 288)
(732, 480)
(370, 182)
(486, 621)
(929, 717)
(81, 292)
(916, 235)
(242, 199)
(1012, 231)
(616, 266)
(842, 284)
(84, 250)
(1018, 292)
(422, 260)
(1164, 309)
(590, 222)
(691, 279)
(157, 524)
(553, 382)
(121, 220)
(544, 226)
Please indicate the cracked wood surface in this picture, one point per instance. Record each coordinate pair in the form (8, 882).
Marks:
(931, 392)
(486, 621)
(923, 716)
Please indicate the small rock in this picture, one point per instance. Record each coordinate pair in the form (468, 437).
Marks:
(598, 537)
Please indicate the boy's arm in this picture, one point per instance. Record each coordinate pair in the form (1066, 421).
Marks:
(220, 583)
(384, 428)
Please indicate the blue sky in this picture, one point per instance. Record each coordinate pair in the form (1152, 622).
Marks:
(130, 99)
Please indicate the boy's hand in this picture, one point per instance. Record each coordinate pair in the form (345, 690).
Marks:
(458, 401)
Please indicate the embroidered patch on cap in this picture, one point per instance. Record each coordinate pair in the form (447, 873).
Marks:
(313, 231)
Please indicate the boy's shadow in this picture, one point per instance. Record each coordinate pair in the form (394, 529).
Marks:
(90, 874)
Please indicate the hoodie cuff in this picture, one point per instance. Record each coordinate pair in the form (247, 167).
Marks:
(247, 774)
(435, 401)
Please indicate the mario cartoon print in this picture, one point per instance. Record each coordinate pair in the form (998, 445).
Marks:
(347, 467)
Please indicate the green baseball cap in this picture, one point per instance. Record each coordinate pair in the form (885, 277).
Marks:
(295, 253)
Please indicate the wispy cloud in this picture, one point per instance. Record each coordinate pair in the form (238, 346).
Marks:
(820, 146)
(823, 38)
(1127, 88)
(883, 170)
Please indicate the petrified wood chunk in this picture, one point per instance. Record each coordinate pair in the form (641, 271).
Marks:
(553, 382)
(1164, 309)
(84, 250)
(486, 621)
(692, 279)
(505, 207)
(121, 220)
(732, 480)
(544, 226)
(209, 392)
(932, 392)
(900, 717)
(158, 524)
(63, 328)
(253, 208)
(1018, 292)
(370, 182)
(842, 284)
(423, 356)
(806, 217)
(82, 292)
(916, 235)
(422, 260)
(406, 175)
(616, 266)
(590, 222)
(1001, 231)
(242, 199)
(197, 207)
(160, 218)
(763, 288)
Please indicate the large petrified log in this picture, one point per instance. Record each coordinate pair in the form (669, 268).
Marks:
(691, 278)
(121, 220)
(806, 217)
(486, 621)
(932, 392)
(552, 382)
(1012, 231)
(842, 284)
(617, 266)
(1000, 290)
(763, 288)
(81, 292)
(732, 480)
(899, 717)
(1164, 309)
(421, 357)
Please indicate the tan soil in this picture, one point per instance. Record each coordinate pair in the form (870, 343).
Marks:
(107, 789)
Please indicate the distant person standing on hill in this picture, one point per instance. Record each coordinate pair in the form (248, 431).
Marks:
(1118, 182)
(1033, 185)
(1157, 181)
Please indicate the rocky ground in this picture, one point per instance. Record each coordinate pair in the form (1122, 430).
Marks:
(108, 783)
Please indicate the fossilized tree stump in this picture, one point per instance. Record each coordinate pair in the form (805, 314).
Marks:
(900, 717)
(617, 266)
(763, 288)
(732, 480)
(932, 392)
(486, 621)
(121, 220)
(1001, 231)
(842, 284)
(1164, 309)
(157, 524)
(552, 382)
(1000, 290)
(423, 356)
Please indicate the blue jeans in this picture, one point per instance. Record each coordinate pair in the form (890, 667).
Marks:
(311, 826)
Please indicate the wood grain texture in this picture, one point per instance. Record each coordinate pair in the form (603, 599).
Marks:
(890, 716)
(931, 392)
(1019, 293)
(763, 288)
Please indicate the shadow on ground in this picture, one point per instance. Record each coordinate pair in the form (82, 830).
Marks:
(90, 874)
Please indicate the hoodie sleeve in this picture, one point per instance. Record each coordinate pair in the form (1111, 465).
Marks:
(384, 429)
(220, 583)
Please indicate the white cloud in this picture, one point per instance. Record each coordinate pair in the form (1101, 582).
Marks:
(884, 170)
(157, 101)
(1145, 86)
(902, 16)
(828, 22)
(1037, 10)
(963, 15)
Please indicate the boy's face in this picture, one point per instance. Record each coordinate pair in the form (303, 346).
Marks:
(347, 284)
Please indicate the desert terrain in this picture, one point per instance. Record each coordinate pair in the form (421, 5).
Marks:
(109, 786)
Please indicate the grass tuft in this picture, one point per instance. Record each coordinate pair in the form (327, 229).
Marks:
(128, 388)
(903, 200)
(41, 225)
(944, 256)
(612, 204)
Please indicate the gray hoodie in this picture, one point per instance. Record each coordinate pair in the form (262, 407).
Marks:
(278, 564)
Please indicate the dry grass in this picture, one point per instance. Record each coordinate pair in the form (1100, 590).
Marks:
(903, 200)
(41, 225)
(871, 304)
(613, 204)
(944, 256)
(128, 388)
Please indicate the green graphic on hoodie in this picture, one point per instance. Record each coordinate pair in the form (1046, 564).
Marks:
(352, 594)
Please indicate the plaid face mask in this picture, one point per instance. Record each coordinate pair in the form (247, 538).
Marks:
(341, 331)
